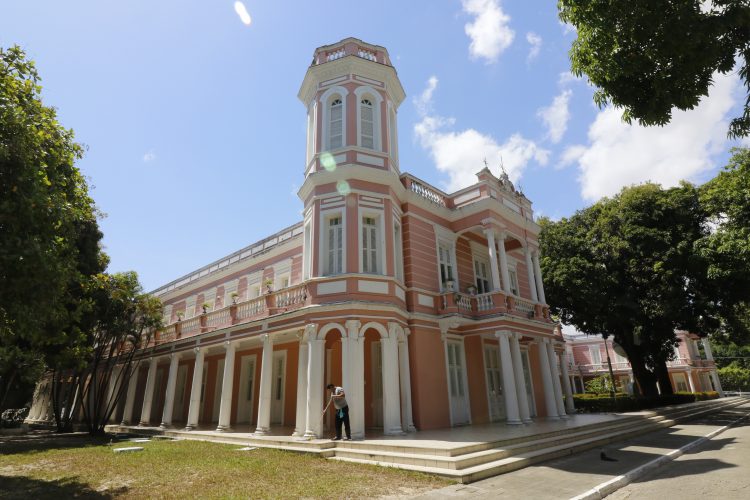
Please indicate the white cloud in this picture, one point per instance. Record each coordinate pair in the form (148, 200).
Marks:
(556, 116)
(490, 31)
(620, 155)
(535, 42)
(241, 11)
(567, 77)
(149, 156)
(568, 28)
(461, 154)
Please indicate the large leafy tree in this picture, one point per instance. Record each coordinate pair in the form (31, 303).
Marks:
(626, 268)
(650, 56)
(49, 237)
(120, 320)
(726, 200)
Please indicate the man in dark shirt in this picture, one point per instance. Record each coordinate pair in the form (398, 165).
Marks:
(342, 411)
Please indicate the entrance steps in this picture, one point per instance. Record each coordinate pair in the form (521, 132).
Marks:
(471, 463)
(464, 455)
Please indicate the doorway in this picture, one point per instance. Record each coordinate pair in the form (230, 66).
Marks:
(277, 387)
(457, 383)
(494, 383)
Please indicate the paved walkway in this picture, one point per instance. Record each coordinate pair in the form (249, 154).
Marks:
(571, 476)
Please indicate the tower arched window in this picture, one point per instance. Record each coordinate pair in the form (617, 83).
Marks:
(367, 125)
(336, 124)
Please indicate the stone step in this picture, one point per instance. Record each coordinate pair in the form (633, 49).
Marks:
(487, 463)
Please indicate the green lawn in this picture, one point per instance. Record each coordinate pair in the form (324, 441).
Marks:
(77, 466)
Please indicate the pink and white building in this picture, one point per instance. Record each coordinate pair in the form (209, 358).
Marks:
(690, 371)
(427, 307)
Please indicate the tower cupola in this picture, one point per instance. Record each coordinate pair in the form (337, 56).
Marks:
(352, 94)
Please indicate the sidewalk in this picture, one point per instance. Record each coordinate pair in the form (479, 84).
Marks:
(571, 476)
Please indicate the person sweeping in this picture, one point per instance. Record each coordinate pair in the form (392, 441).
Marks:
(342, 411)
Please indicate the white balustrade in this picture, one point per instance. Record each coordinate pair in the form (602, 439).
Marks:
(337, 54)
(217, 319)
(190, 326)
(463, 302)
(427, 193)
(291, 296)
(251, 308)
(524, 306)
(484, 302)
(366, 54)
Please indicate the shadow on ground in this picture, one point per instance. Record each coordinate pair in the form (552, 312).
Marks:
(19, 487)
(49, 440)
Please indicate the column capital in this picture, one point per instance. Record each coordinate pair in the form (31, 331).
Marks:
(353, 326)
(407, 332)
(197, 350)
(503, 333)
(266, 338)
(228, 345)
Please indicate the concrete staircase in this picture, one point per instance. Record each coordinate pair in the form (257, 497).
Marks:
(469, 461)
(472, 463)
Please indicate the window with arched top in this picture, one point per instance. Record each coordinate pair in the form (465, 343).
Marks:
(336, 124)
(367, 125)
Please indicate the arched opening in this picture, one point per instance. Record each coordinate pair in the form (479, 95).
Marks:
(332, 373)
(373, 371)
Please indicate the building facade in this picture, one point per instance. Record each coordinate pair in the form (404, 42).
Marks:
(690, 371)
(427, 307)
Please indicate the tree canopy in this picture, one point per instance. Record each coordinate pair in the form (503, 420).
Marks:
(626, 267)
(650, 56)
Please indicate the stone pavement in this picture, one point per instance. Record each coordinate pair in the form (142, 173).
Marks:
(571, 476)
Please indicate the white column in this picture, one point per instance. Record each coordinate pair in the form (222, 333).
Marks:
(509, 380)
(227, 384)
(314, 426)
(166, 418)
(148, 395)
(503, 263)
(391, 397)
(530, 272)
(355, 395)
(555, 373)
(689, 375)
(194, 409)
(569, 406)
(490, 233)
(407, 421)
(539, 281)
(301, 419)
(714, 375)
(549, 389)
(127, 414)
(266, 378)
(520, 379)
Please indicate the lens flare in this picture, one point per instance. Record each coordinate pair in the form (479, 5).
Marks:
(343, 188)
(241, 11)
(326, 159)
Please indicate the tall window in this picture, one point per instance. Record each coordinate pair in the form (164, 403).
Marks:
(369, 245)
(513, 278)
(446, 264)
(336, 125)
(399, 253)
(393, 133)
(596, 355)
(367, 127)
(482, 280)
(335, 248)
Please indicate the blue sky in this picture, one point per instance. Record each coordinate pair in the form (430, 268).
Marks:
(196, 139)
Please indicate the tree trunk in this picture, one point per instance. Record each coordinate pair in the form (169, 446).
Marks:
(6, 389)
(662, 374)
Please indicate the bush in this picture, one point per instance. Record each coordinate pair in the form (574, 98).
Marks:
(13, 417)
(734, 378)
(596, 403)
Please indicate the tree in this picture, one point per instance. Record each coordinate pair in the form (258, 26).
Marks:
(734, 378)
(625, 267)
(49, 235)
(726, 200)
(650, 56)
(121, 320)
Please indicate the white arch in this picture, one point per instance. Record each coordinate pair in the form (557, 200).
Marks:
(360, 92)
(377, 326)
(328, 327)
(324, 98)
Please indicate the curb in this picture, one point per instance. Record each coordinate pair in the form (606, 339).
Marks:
(607, 488)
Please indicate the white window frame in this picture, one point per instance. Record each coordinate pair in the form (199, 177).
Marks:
(254, 285)
(447, 239)
(209, 297)
(312, 130)
(325, 101)
(367, 92)
(230, 288)
(595, 353)
(398, 249)
(307, 243)
(325, 216)
(190, 306)
(486, 278)
(377, 215)
(513, 278)
(282, 271)
(393, 136)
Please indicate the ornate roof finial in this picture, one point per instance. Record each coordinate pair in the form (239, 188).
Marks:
(485, 162)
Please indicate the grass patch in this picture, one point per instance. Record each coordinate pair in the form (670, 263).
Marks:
(66, 466)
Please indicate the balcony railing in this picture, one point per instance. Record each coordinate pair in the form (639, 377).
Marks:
(289, 298)
(487, 304)
(426, 192)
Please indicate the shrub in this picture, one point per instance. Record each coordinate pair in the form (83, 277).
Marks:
(595, 403)
(734, 378)
(13, 417)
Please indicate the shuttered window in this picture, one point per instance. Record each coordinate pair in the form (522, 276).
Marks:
(336, 127)
(367, 127)
(369, 245)
(335, 246)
